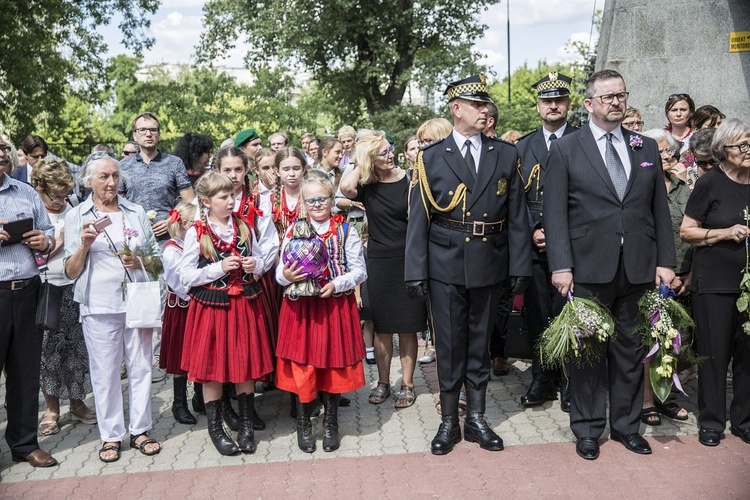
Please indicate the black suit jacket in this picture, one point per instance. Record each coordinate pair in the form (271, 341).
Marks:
(21, 174)
(493, 194)
(585, 222)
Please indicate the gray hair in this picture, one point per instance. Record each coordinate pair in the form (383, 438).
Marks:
(700, 141)
(658, 135)
(92, 164)
(729, 131)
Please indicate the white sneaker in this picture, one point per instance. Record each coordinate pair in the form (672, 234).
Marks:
(157, 374)
(427, 358)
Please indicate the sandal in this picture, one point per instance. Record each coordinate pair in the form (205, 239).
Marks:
(142, 445)
(380, 393)
(83, 414)
(50, 423)
(405, 397)
(670, 410)
(110, 447)
(650, 416)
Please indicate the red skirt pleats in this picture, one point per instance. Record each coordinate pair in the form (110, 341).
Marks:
(305, 381)
(172, 339)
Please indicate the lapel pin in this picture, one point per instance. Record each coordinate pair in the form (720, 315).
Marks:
(449, 150)
(490, 148)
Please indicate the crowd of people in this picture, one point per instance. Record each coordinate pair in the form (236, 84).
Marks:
(291, 267)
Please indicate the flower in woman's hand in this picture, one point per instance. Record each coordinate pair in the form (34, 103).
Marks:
(151, 214)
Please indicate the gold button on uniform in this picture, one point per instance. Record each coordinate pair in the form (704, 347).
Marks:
(468, 239)
(484, 240)
(450, 193)
(484, 215)
(468, 214)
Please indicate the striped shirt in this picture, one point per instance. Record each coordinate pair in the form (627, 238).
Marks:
(19, 201)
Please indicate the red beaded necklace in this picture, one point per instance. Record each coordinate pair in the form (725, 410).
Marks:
(288, 215)
(222, 245)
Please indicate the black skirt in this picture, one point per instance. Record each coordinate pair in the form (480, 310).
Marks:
(391, 308)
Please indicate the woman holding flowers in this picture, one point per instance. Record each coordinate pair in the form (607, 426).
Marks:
(98, 233)
(716, 223)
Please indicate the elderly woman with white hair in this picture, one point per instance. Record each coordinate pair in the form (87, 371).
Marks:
(96, 232)
(716, 224)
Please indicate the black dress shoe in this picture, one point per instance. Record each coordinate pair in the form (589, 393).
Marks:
(539, 392)
(633, 442)
(587, 448)
(448, 435)
(743, 434)
(476, 430)
(709, 437)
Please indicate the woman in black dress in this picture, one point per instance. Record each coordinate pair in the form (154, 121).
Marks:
(382, 187)
(716, 223)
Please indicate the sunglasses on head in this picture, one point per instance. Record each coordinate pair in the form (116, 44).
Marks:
(679, 96)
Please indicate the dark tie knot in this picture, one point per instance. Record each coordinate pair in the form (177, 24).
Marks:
(609, 136)
(467, 145)
(552, 137)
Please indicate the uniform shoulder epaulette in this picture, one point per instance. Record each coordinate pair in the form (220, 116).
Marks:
(428, 146)
(526, 135)
(498, 139)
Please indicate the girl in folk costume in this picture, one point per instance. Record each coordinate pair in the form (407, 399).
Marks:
(290, 166)
(255, 211)
(226, 339)
(320, 345)
(175, 313)
(267, 174)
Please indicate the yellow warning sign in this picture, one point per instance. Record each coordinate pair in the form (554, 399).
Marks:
(739, 41)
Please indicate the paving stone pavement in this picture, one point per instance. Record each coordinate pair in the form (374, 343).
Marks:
(367, 431)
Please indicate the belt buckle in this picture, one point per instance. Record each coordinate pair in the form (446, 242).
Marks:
(16, 285)
(477, 229)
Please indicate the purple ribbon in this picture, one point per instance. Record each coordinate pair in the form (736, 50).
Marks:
(677, 384)
(570, 296)
(677, 343)
(665, 292)
(655, 317)
(651, 353)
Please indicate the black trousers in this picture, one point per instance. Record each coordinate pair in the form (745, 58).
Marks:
(542, 302)
(462, 320)
(500, 330)
(20, 355)
(719, 338)
(619, 371)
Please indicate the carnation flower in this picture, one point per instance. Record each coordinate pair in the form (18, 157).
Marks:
(636, 142)
(151, 214)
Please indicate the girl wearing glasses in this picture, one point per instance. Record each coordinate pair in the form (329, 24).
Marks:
(320, 345)
(226, 339)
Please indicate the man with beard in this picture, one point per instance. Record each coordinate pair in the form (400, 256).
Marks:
(468, 233)
(608, 225)
(541, 299)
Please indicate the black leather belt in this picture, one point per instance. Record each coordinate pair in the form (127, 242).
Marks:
(18, 284)
(474, 228)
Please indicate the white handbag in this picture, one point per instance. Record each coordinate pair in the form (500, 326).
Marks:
(143, 304)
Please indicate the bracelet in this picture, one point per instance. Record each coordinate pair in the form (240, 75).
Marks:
(705, 238)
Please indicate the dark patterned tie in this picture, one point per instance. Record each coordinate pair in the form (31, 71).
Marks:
(470, 158)
(615, 168)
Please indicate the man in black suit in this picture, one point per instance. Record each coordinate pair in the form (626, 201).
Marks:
(608, 225)
(541, 299)
(468, 232)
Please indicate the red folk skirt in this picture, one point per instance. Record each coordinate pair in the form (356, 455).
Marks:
(173, 334)
(272, 304)
(320, 346)
(227, 344)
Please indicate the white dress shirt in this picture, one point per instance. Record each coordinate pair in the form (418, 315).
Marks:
(558, 133)
(476, 146)
(618, 141)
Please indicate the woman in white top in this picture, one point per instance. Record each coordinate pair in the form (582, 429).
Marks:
(64, 366)
(96, 233)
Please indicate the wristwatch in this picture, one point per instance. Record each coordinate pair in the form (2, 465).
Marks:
(50, 244)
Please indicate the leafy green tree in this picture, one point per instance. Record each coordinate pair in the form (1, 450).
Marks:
(51, 49)
(359, 53)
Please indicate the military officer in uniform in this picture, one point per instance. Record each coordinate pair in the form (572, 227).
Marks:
(541, 298)
(468, 232)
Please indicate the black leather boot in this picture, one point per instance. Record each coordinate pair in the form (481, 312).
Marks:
(476, 429)
(449, 432)
(219, 437)
(305, 436)
(245, 436)
(540, 390)
(179, 406)
(198, 405)
(331, 440)
(227, 412)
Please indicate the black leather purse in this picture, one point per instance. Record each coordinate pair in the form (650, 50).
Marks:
(49, 306)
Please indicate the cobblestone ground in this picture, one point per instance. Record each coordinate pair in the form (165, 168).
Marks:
(367, 429)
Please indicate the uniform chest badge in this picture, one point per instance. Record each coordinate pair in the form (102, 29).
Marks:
(502, 187)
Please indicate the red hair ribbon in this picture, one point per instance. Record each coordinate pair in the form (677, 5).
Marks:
(174, 216)
(200, 228)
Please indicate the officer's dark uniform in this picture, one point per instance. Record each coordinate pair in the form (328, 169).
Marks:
(468, 232)
(541, 299)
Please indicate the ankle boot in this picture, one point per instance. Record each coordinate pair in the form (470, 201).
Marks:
(246, 433)
(219, 437)
(198, 405)
(227, 412)
(476, 429)
(449, 432)
(258, 423)
(331, 422)
(305, 437)
(179, 406)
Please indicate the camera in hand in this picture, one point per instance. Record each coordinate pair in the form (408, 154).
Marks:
(102, 222)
